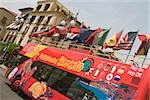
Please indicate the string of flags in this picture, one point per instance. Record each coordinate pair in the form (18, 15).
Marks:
(98, 36)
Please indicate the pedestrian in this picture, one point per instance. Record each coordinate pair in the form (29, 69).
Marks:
(85, 97)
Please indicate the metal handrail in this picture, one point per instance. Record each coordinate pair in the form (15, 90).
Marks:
(93, 49)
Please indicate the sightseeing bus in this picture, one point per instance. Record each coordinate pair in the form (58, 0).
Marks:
(63, 74)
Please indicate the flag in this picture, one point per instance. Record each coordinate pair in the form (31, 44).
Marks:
(127, 41)
(84, 34)
(145, 45)
(90, 39)
(144, 37)
(45, 33)
(102, 36)
(112, 42)
(74, 30)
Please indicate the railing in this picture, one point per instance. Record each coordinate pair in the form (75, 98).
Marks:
(95, 50)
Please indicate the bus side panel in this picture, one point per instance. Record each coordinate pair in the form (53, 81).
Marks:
(30, 81)
(27, 84)
(143, 87)
(58, 96)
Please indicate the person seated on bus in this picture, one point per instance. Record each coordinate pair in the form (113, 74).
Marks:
(62, 30)
(73, 31)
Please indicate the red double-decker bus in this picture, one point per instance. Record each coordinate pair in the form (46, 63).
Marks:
(61, 74)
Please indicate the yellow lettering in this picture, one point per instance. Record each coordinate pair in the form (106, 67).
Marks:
(63, 62)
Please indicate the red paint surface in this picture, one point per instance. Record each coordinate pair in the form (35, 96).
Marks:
(99, 64)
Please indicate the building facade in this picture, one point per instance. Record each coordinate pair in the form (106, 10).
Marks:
(6, 18)
(13, 33)
(46, 14)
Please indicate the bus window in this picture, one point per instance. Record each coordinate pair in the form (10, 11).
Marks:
(76, 92)
(21, 59)
(54, 76)
(37, 63)
(67, 85)
(63, 82)
(43, 71)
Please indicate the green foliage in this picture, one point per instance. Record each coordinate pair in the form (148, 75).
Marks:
(2, 45)
(12, 46)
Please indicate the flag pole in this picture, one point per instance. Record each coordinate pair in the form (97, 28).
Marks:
(130, 50)
(128, 55)
(145, 58)
(144, 61)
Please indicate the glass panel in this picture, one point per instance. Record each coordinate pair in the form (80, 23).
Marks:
(21, 59)
(63, 82)
(40, 19)
(46, 7)
(32, 19)
(34, 29)
(55, 75)
(76, 92)
(38, 7)
(48, 19)
(43, 72)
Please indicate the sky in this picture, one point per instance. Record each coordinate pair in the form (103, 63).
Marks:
(130, 15)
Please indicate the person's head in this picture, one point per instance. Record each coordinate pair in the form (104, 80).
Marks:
(86, 94)
(72, 23)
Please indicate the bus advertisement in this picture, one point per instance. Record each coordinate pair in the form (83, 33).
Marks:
(61, 74)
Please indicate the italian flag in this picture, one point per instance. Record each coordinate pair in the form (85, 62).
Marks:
(102, 36)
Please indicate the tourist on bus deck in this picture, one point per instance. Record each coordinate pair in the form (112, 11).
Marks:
(62, 31)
